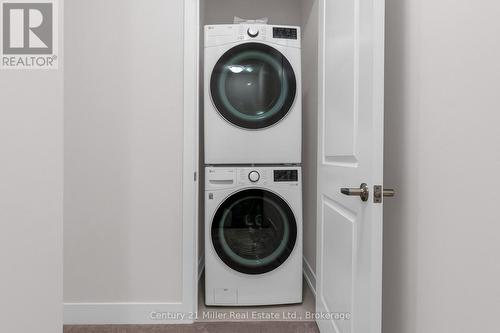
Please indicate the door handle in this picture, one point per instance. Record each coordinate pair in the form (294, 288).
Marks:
(363, 192)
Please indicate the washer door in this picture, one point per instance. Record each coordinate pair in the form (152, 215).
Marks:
(253, 86)
(254, 231)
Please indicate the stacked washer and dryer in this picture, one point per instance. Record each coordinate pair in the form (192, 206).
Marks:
(253, 181)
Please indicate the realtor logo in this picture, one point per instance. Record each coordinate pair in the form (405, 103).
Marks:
(29, 32)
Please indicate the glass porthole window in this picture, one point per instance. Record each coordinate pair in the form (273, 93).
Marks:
(253, 86)
(254, 231)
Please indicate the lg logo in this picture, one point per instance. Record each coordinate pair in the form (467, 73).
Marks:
(29, 29)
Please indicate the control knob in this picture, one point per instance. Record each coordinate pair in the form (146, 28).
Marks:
(254, 176)
(253, 32)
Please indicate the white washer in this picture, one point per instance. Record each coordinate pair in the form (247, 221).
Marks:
(253, 235)
(252, 94)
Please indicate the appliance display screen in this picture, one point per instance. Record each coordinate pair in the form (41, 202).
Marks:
(285, 33)
(286, 175)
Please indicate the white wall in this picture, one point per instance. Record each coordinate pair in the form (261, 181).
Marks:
(442, 232)
(278, 11)
(201, 147)
(309, 13)
(123, 151)
(31, 194)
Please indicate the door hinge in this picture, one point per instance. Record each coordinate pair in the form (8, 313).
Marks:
(195, 176)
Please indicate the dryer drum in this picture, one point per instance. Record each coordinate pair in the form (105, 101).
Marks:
(254, 231)
(253, 86)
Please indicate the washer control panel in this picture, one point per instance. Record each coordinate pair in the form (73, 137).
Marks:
(217, 178)
(285, 176)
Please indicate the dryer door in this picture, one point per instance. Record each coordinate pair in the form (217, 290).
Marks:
(253, 86)
(254, 231)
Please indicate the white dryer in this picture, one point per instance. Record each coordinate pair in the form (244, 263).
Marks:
(253, 235)
(252, 95)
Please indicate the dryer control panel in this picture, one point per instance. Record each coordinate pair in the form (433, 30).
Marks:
(221, 34)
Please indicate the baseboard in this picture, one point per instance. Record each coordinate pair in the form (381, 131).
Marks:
(201, 267)
(309, 275)
(126, 314)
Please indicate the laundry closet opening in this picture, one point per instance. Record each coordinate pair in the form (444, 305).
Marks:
(278, 82)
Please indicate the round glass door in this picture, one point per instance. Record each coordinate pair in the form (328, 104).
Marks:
(254, 231)
(253, 86)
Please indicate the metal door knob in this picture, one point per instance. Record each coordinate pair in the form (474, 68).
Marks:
(363, 192)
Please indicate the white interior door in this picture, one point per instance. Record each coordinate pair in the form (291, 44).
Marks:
(349, 253)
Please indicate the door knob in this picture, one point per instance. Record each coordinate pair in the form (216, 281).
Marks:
(363, 192)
